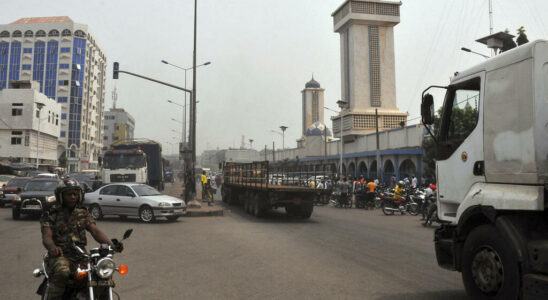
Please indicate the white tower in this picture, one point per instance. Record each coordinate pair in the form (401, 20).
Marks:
(366, 29)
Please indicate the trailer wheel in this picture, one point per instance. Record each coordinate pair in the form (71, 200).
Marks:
(225, 194)
(257, 207)
(490, 267)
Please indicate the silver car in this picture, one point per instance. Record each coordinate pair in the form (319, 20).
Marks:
(133, 199)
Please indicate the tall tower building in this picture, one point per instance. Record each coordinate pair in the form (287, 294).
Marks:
(312, 104)
(64, 57)
(366, 29)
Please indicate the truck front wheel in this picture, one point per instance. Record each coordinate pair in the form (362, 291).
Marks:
(489, 265)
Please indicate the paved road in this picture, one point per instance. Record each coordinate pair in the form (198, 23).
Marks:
(337, 254)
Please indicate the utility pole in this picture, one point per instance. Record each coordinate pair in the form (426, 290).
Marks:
(273, 152)
(325, 149)
(378, 147)
(265, 158)
(193, 107)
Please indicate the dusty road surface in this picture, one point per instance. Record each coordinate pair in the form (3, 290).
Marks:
(336, 254)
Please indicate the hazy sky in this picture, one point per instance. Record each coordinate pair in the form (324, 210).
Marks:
(263, 52)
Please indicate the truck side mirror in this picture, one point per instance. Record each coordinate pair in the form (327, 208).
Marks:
(427, 109)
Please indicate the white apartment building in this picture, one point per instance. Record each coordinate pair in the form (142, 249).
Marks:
(119, 126)
(29, 124)
(64, 57)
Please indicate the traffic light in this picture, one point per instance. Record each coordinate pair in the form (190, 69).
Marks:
(115, 69)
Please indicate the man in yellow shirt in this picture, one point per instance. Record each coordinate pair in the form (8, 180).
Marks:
(203, 179)
(398, 190)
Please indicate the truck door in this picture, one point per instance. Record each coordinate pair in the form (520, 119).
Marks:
(460, 144)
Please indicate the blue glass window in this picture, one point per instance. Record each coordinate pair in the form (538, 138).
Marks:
(76, 91)
(39, 63)
(27, 67)
(4, 53)
(27, 50)
(15, 61)
(63, 82)
(64, 66)
(65, 50)
(62, 100)
(51, 69)
(63, 133)
(63, 116)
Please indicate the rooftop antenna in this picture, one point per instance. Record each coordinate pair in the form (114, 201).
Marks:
(114, 97)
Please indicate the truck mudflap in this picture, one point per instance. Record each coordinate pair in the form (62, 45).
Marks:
(535, 287)
(444, 241)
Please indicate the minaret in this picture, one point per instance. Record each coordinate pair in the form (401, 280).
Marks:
(312, 103)
(368, 79)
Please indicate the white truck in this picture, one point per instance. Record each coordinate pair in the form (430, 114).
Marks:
(492, 175)
(124, 166)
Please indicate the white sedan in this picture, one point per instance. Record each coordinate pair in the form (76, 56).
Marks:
(133, 199)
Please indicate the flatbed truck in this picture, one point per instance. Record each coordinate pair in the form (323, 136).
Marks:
(252, 185)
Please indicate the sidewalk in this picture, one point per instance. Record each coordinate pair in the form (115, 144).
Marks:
(175, 190)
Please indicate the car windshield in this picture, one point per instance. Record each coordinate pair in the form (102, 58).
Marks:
(41, 185)
(5, 177)
(145, 190)
(123, 161)
(17, 182)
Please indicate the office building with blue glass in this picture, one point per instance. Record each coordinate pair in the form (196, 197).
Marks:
(65, 59)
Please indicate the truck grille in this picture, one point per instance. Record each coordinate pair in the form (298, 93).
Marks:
(122, 178)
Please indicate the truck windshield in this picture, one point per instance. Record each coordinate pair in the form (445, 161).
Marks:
(124, 161)
(41, 186)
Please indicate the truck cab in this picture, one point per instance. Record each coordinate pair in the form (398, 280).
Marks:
(125, 166)
(492, 174)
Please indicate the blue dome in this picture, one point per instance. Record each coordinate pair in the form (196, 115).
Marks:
(317, 129)
(312, 84)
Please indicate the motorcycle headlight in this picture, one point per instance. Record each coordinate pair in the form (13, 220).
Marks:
(50, 199)
(105, 267)
(164, 204)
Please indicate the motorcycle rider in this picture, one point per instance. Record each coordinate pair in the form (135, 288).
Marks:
(399, 190)
(62, 225)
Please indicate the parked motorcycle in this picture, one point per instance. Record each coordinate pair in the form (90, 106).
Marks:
(338, 200)
(401, 205)
(92, 278)
(364, 200)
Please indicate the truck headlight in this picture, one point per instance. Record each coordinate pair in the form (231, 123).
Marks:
(50, 199)
(164, 204)
(105, 267)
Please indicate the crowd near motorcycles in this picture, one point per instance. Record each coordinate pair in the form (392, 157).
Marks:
(399, 198)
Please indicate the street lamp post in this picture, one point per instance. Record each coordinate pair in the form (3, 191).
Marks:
(185, 105)
(39, 106)
(283, 128)
(342, 105)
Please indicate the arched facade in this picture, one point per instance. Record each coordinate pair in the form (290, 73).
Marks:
(362, 169)
(388, 170)
(407, 169)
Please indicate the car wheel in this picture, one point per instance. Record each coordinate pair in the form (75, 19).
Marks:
(96, 212)
(490, 267)
(15, 213)
(172, 218)
(146, 214)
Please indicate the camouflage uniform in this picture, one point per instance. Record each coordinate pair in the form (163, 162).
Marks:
(66, 227)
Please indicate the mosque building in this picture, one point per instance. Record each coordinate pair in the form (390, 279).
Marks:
(368, 96)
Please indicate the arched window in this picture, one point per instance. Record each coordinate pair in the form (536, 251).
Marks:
(79, 33)
(29, 33)
(53, 33)
(17, 33)
(66, 32)
(40, 33)
(5, 34)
